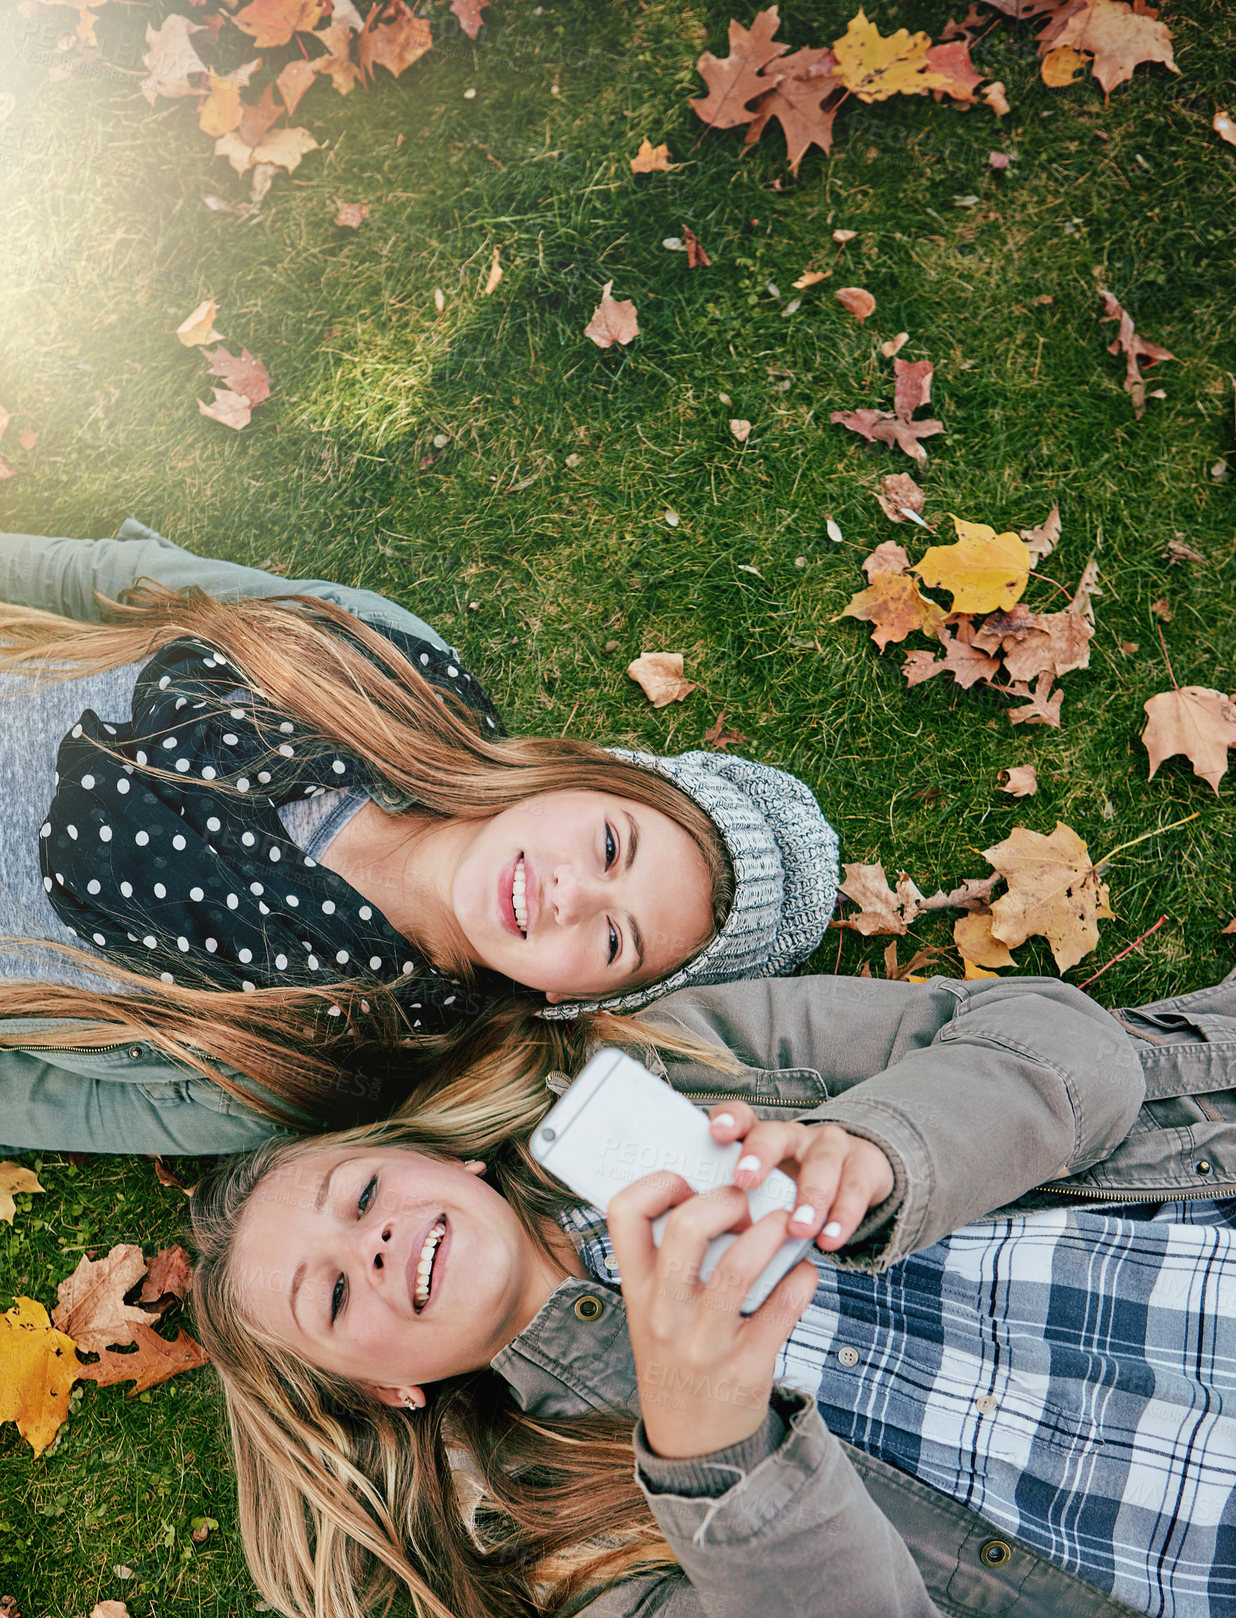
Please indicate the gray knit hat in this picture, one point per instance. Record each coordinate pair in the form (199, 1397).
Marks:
(784, 855)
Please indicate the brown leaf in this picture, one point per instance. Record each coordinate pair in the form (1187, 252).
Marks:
(841, 237)
(740, 428)
(808, 279)
(170, 1272)
(245, 376)
(889, 429)
(353, 214)
(857, 300)
(91, 1307)
(953, 71)
(495, 274)
(1036, 643)
(256, 120)
(916, 963)
(659, 675)
(1087, 586)
(15, 1177)
(1041, 708)
(890, 557)
(393, 37)
(155, 1361)
(717, 736)
(1042, 540)
(273, 22)
(880, 909)
(967, 27)
(895, 607)
(999, 160)
(1054, 892)
(109, 1609)
(292, 82)
(1020, 781)
(972, 893)
(199, 327)
(163, 1172)
(223, 108)
(1226, 130)
(1231, 926)
(1195, 721)
(967, 663)
(338, 63)
(613, 320)
(230, 409)
(651, 159)
(1062, 66)
(697, 258)
(1136, 349)
(994, 96)
(912, 387)
(469, 15)
(1117, 35)
(898, 493)
(804, 97)
(973, 937)
(1162, 609)
(894, 345)
(735, 80)
(1178, 551)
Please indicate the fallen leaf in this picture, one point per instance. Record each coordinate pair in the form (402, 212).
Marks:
(155, 1361)
(222, 109)
(393, 37)
(1128, 647)
(1035, 643)
(1162, 609)
(1042, 540)
(894, 345)
(857, 300)
(172, 59)
(1195, 721)
(245, 376)
(1020, 781)
(1226, 130)
(469, 14)
(875, 68)
(1054, 892)
(273, 22)
(843, 236)
(293, 80)
(993, 94)
(199, 327)
(14, 1177)
(495, 274)
(170, 1272)
(982, 571)
(613, 320)
(741, 429)
(804, 96)
(717, 736)
(283, 149)
(808, 279)
(967, 663)
(1117, 35)
(230, 409)
(1178, 551)
(895, 608)
(999, 160)
(1041, 707)
(973, 937)
(697, 258)
(37, 1370)
(659, 675)
(890, 557)
(91, 1307)
(908, 972)
(1062, 65)
(833, 530)
(1087, 586)
(1231, 926)
(881, 910)
(898, 494)
(972, 893)
(912, 383)
(735, 80)
(109, 1609)
(951, 65)
(1136, 349)
(352, 214)
(651, 159)
(344, 74)
(164, 1173)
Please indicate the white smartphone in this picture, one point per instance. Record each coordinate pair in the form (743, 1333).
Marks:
(618, 1122)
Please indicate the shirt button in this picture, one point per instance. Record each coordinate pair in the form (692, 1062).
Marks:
(848, 1356)
(589, 1308)
(1203, 1166)
(987, 1404)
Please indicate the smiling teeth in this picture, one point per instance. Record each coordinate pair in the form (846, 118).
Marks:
(518, 888)
(424, 1268)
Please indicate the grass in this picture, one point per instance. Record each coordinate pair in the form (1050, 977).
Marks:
(536, 537)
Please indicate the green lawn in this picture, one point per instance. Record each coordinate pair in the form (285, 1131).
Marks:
(536, 537)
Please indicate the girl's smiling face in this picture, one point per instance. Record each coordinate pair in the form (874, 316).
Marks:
(388, 1267)
(582, 893)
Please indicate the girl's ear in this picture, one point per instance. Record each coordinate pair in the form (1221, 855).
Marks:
(554, 999)
(474, 1165)
(407, 1397)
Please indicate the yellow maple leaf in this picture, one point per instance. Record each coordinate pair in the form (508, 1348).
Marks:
(651, 159)
(875, 68)
(1054, 892)
(1062, 66)
(38, 1366)
(894, 606)
(13, 1177)
(983, 571)
(221, 110)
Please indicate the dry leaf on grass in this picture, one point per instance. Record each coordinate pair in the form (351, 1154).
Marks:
(282, 149)
(172, 60)
(273, 22)
(1116, 35)
(741, 429)
(155, 1360)
(993, 94)
(974, 940)
(1054, 892)
(199, 327)
(804, 97)
(1035, 643)
(230, 409)
(353, 214)
(494, 276)
(1195, 721)
(894, 345)
(889, 557)
(1020, 781)
(1137, 351)
(874, 68)
(613, 320)
(245, 375)
(900, 497)
(469, 14)
(651, 159)
(717, 736)
(15, 1178)
(735, 80)
(393, 37)
(170, 1274)
(109, 1609)
(857, 300)
(1062, 66)
(659, 675)
(881, 908)
(912, 388)
(1041, 541)
(697, 258)
(809, 278)
(1042, 707)
(91, 1307)
(967, 663)
(895, 608)
(37, 1370)
(981, 571)
(972, 893)
(1178, 551)
(1226, 130)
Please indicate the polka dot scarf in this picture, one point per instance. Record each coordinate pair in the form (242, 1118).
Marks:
(191, 876)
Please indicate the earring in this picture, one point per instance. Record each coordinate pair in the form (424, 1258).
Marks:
(409, 1403)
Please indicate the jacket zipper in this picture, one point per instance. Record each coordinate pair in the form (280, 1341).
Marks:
(757, 1101)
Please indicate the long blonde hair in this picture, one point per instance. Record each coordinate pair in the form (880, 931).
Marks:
(332, 1055)
(348, 1506)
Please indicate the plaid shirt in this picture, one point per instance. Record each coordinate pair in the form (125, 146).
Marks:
(1069, 1375)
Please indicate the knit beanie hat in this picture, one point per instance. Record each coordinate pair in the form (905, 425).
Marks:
(784, 855)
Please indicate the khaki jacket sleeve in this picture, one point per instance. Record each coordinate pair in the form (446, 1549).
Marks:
(976, 1093)
(798, 1536)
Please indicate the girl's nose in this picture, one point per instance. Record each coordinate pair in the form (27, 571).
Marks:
(571, 897)
(381, 1249)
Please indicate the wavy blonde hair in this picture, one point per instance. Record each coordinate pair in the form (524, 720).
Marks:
(467, 1508)
(307, 1065)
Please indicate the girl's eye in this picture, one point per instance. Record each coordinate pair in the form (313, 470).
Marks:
(366, 1197)
(611, 846)
(336, 1299)
(614, 942)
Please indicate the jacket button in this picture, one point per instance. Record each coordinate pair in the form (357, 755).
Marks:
(1203, 1166)
(995, 1553)
(848, 1356)
(135, 1053)
(589, 1308)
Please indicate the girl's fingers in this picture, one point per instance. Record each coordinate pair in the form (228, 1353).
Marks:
(730, 1120)
(783, 1308)
(740, 1266)
(630, 1215)
(764, 1145)
(866, 1179)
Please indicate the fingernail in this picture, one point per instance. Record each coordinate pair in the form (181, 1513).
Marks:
(726, 1118)
(803, 1215)
(747, 1165)
(832, 1228)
